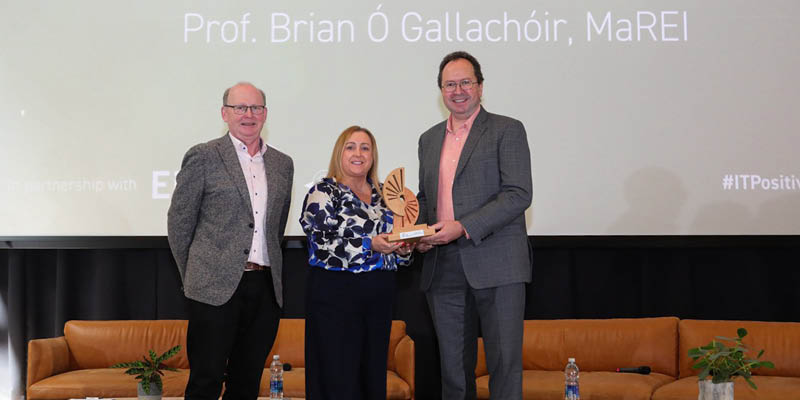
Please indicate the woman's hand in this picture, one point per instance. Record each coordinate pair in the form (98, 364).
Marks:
(406, 249)
(381, 244)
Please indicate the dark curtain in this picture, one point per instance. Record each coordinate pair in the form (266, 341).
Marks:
(573, 278)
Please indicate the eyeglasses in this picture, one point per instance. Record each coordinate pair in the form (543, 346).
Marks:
(466, 84)
(242, 109)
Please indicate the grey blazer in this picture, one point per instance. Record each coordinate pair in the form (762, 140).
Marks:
(210, 219)
(491, 190)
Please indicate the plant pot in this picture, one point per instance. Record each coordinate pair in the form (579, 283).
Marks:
(715, 391)
(154, 394)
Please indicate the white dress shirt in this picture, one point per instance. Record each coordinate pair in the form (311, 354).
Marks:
(256, 177)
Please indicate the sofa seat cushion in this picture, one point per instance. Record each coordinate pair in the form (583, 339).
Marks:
(593, 385)
(396, 387)
(114, 383)
(294, 385)
(101, 382)
(769, 388)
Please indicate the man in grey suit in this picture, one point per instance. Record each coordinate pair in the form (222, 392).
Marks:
(225, 227)
(475, 184)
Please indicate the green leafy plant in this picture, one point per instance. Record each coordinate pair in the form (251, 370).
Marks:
(723, 362)
(150, 371)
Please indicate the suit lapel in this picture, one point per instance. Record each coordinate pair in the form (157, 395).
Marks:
(271, 168)
(231, 161)
(478, 129)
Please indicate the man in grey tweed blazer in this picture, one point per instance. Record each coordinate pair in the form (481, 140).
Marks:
(225, 227)
(475, 184)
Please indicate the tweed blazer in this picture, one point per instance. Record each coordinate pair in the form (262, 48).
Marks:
(210, 219)
(492, 189)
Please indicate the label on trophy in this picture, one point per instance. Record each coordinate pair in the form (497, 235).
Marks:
(412, 234)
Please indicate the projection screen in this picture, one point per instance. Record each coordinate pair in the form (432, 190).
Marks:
(643, 118)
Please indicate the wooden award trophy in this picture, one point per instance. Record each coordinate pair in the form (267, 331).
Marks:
(405, 206)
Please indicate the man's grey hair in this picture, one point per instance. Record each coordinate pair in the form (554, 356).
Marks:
(228, 90)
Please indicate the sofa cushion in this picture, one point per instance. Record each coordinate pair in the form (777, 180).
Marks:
(598, 344)
(594, 385)
(98, 344)
(290, 343)
(103, 383)
(114, 383)
(294, 385)
(769, 388)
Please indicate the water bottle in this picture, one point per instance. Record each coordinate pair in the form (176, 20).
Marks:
(276, 378)
(571, 375)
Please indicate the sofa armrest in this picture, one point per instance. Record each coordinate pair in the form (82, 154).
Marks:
(404, 361)
(47, 357)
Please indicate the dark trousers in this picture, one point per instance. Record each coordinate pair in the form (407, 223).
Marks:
(348, 321)
(457, 310)
(231, 342)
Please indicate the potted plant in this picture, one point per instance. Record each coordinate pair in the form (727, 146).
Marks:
(724, 363)
(149, 372)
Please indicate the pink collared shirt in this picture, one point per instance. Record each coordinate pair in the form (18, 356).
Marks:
(454, 140)
(256, 177)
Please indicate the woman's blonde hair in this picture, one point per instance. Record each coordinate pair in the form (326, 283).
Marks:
(335, 167)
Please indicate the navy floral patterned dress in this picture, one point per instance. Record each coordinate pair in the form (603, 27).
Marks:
(350, 293)
(340, 227)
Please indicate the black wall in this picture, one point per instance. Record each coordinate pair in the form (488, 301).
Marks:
(45, 283)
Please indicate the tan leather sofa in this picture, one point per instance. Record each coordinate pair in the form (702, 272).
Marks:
(781, 344)
(601, 346)
(76, 365)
